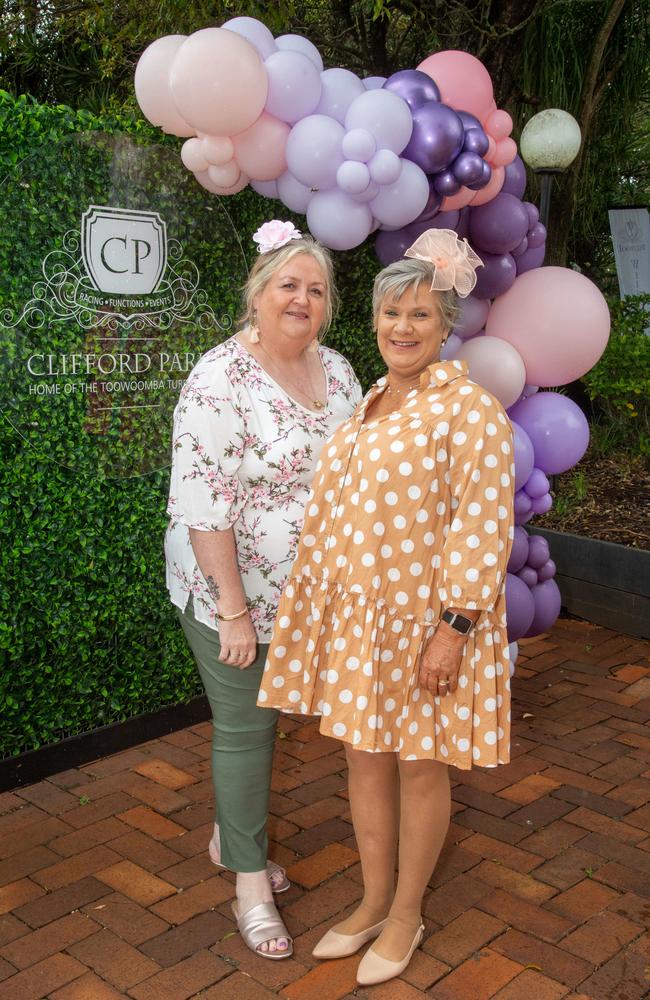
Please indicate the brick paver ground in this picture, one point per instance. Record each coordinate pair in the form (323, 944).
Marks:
(542, 892)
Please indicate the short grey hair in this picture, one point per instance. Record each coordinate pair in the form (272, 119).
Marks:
(268, 263)
(399, 277)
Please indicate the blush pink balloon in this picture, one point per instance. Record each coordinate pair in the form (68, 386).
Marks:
(457, 201)
(492, 187)
(204, 180)
(492, 148)
(226, 175)
(505, 153)
(462, 79)
(193, 157)
(152, 86)
(260, 149)
(498, 124)
(498, 368)
(557, 319)
(218, 82)
(217, 149)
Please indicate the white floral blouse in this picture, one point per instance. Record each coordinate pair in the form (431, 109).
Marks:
(244, 455)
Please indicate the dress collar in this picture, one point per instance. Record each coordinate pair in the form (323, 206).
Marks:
(437, 374)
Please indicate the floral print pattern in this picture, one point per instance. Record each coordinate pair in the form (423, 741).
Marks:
(243, 456)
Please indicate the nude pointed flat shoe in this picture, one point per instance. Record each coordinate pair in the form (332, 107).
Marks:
(277, 876)
(337, 945)
(260, 924)
(375, 969)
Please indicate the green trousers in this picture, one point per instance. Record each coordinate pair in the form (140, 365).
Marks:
(242, 747)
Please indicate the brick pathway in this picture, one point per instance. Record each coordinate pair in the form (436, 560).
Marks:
(542, 893)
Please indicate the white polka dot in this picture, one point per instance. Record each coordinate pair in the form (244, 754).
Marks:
(459, 437)
(490, 527)
(490, 461)
(374, 454)
(490, 493)
(358, 537)
(280, 651)
(489, 672)
(456, 524)
(370, 506)
(368, 559)
(473, 542)
(426, 743)
(489, 559)
(397, 446)
(455, 558)
(407, 545)
(471, 575)
(401, 598)
(428, 463)
(396, 674)
(284, 622)
(295, 666)
(294, 696)
(405, 468)
(415, 569)
(399, 521)
(490, 738)
(382, 475)
(463, 745)
(474, 509)
(378, 528)
(391, 499)
(278, 682)
(424, 592)
(393, 574)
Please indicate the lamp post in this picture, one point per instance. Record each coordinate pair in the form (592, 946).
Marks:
(549, 144)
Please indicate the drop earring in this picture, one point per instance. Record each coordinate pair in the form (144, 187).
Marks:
(313, 345)
(253, 329)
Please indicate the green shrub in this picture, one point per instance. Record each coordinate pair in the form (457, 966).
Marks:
(620, 382)
(87, 633)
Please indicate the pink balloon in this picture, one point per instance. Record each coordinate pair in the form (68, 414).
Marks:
(462, 79)
(492, 148)
(193, 157)
(498, 124)
(558, 321)
(492, 187)
(457, 201)
(226, 175)
(260, 150)
(217, 149)
(500, 369)
(218, 82)
(505, 153)
(152, 85)
(204, 180)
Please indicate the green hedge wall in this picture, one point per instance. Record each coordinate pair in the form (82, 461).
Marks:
(87, 633)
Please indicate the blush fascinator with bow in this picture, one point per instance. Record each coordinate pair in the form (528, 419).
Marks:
(453, 261)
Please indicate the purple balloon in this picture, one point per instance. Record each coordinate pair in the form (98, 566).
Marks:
(462, 227)
(515, 180)
(520, 607)
(442, 220)
(446, 183)
(432, 206)
(451, 345)
(531, 259)
(533, 213)
(467, 168)
(524, 456)
(542, 505)
(547, 603)
(499, 225)
(528, 575)
(413, 86)
(519, 551)
(547, 571)
(469, 120)
(536, 236)
(476, 141)
(522, 503)
(437, 137)
(520, 249)
(390, 246)
(473, 314)
(557, 428)
(496, 276)
(537, 484)
(486, 174)
(538, 552)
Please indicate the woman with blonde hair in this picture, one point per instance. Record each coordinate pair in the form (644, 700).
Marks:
(248, 430)
(392, 625)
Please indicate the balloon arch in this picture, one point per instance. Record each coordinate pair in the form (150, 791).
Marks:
(425, 148)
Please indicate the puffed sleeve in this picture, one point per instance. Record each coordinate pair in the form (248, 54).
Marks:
(478, 542)
(208, 446)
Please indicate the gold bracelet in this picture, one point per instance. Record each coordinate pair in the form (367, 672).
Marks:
(232, 618)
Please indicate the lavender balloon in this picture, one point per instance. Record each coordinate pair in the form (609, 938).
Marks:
(443, 220)
(537, 484)
(524, 456)
(515, 181)
(538, 551)
(496, 276)
(467, 168)
(519, 551)
(437, 137)
(531, 259)
(533, 213)
(528, 575)
(499, 225)
(413, 86)
(547, 603)
(547, 571)
(557, 428)
(541, 505)
(473, 315)
(520, 607)
(520, 249)
(536, 236)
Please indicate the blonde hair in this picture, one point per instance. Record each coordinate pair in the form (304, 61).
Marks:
(268, 263)
(403, 274)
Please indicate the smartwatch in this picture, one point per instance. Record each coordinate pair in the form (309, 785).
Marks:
(458, 622)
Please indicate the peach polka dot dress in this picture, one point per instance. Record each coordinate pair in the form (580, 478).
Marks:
(409, 514)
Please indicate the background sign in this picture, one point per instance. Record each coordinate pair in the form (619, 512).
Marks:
(630, 229)
(110, 302)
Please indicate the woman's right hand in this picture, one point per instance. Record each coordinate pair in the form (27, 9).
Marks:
(238, 642)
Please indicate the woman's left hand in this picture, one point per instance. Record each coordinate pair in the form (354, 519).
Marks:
(440, 663)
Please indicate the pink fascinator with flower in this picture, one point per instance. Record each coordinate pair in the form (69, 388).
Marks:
(453, 260)
(275, 234)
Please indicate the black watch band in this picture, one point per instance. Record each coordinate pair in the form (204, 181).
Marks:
(459, 623)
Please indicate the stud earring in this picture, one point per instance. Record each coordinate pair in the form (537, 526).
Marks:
(253, 329)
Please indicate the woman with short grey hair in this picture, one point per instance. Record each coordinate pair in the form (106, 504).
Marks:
(391, 628)
(248, 429)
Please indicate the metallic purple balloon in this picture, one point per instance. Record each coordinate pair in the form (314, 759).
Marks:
(413, 86)
(528, 575)
(445, 183)
(462, 226)
(432, 206)
(519, 551)
(496, 276)
(469, 120)
(467, 168)
(484, 179)
(437, 137)
(515, 180)
(476, 141)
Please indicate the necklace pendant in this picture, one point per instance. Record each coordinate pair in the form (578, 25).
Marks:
(318, 405)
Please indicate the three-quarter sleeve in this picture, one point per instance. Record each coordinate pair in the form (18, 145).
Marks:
(478, 541)
(208, 446)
